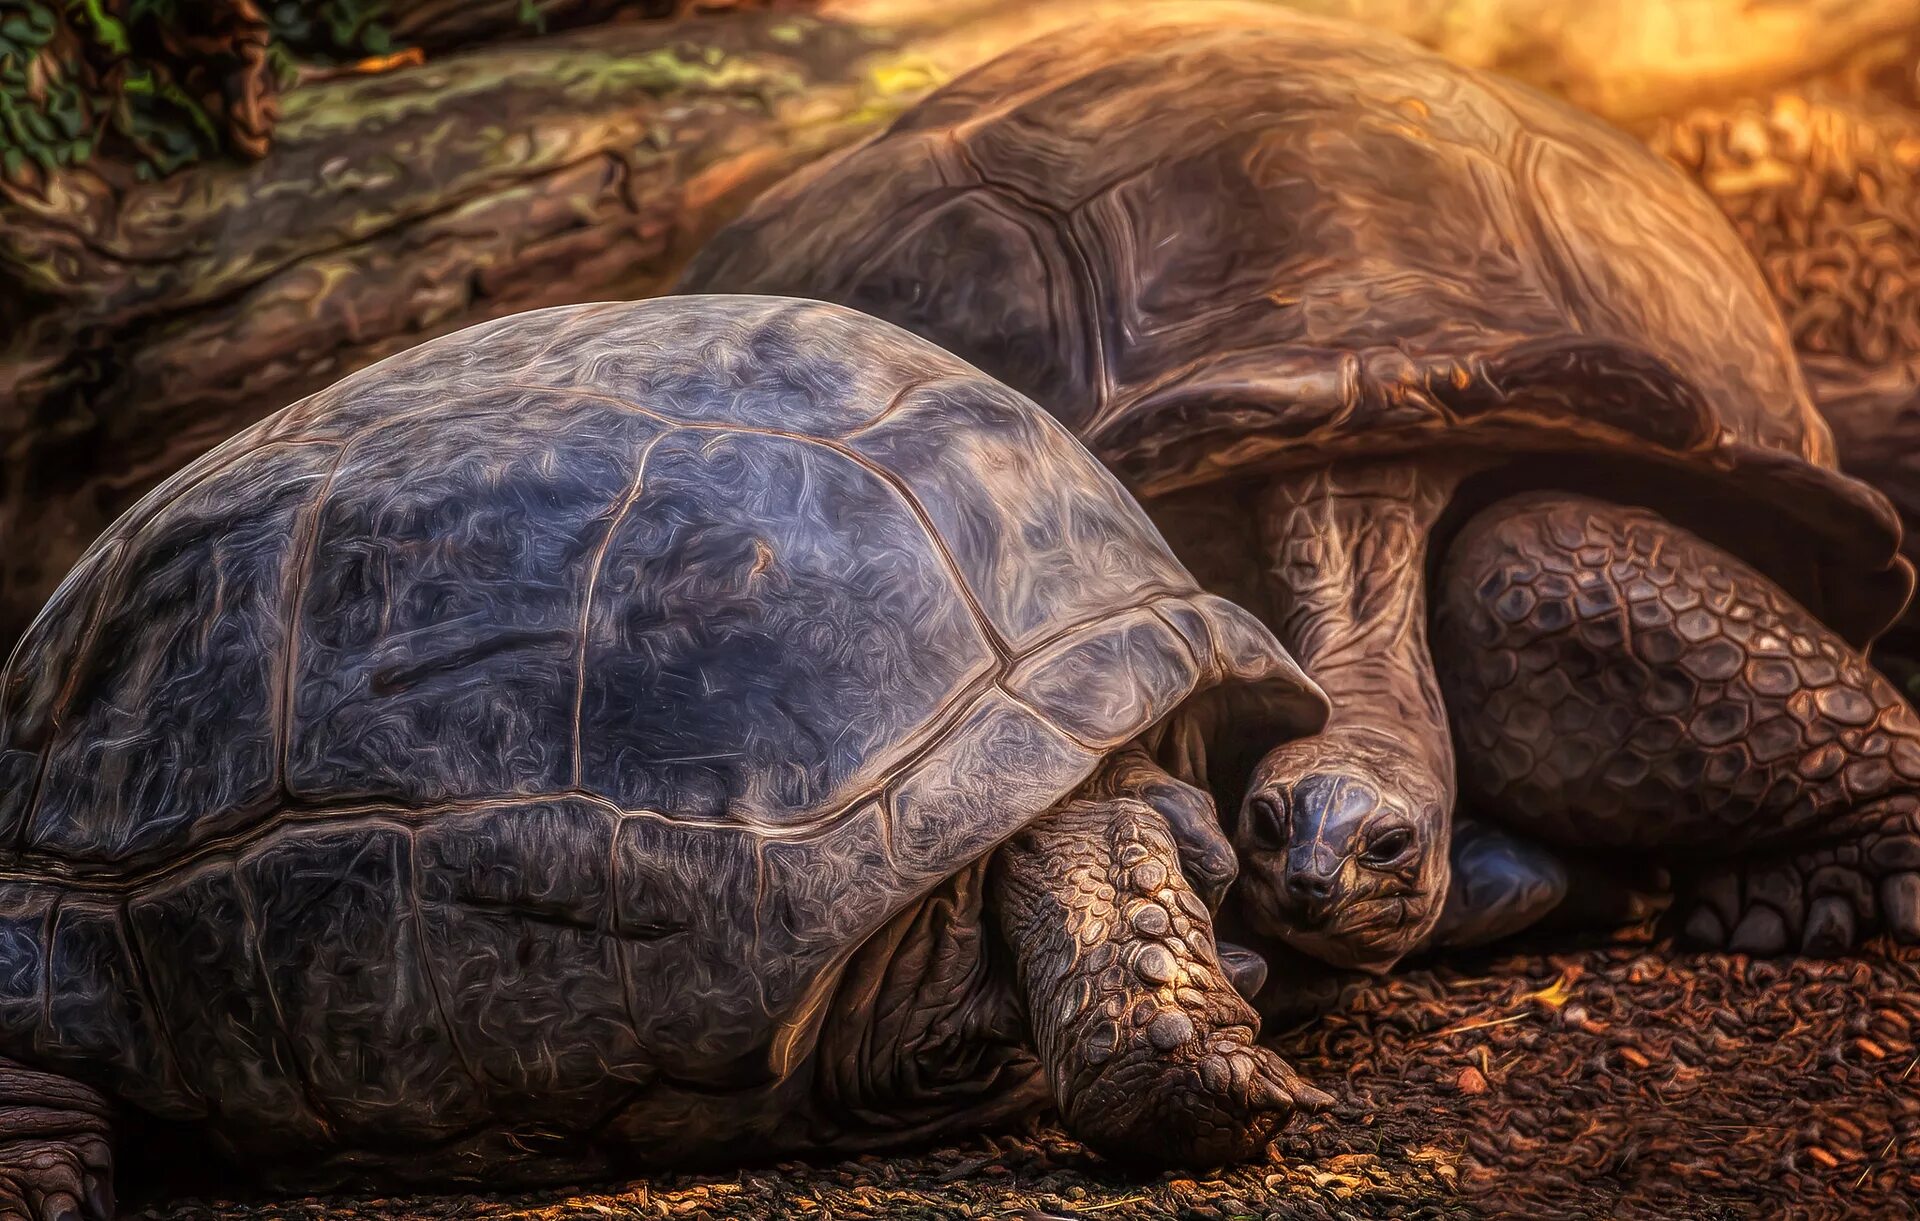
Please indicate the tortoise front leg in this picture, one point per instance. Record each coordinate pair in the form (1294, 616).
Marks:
(1150, 1052)
(55, 1161)
(1207, 858)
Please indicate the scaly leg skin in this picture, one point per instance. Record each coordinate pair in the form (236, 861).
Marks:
(1618, 682)
(1500, 886)
(1150, 1052)
(55, 1160)
(1207, 858)
(1206, 855)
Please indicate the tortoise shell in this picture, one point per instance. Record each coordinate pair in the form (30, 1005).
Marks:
(541, 716)
(1260, 239)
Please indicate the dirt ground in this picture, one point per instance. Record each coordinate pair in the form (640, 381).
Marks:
(1609, 1082)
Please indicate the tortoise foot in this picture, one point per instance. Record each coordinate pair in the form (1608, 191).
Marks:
(55, 1160)
(1150, 1051)
(1822, 902)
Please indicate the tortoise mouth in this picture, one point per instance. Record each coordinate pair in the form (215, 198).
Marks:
(1371, 943)
(1360, 932)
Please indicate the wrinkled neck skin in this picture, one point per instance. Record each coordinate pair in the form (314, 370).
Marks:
(925, 1037)
(1346, 549)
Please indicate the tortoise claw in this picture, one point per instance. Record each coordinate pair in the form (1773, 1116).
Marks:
(1761, 932)
(1245, 969)
(1900, 904)
(1704, 930)
(1830, 926)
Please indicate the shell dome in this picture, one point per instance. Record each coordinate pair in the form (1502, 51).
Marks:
(722, 628)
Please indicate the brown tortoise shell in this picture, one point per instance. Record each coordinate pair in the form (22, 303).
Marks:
(533, 724)
(1251, 239)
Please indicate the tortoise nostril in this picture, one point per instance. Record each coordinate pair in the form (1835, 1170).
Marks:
(1311, 888)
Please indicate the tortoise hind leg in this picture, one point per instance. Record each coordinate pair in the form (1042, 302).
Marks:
(55, 1161)
(1618, 682)
(1150, 1052)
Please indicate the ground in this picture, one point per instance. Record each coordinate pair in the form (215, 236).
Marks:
(1615, 1081)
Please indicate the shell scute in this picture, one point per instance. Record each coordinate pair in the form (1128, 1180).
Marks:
(1099, 686)
(345, 962)
(820, 895)
(99, 1018)
(442, 599)
(437, 376)
(36, 679)
(688, 904)
(906, 177)
(1050, 543)
(195, 931)
(516, 908)
(993, 257)
(171, 731)
(728, 674)
(940, 815)
(782, 366)
(24, 911)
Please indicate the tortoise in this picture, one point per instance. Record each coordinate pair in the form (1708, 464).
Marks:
(620, 735)
(1482, 407)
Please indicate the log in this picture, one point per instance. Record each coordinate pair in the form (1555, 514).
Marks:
(438, 25)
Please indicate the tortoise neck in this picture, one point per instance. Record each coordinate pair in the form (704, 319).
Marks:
(1346, 551)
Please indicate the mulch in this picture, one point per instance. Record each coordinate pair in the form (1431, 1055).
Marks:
(1621, 1081)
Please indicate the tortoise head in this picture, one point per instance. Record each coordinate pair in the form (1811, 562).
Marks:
(1343, 849)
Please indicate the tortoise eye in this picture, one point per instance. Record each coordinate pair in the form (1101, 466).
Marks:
(1265, 823)
(1390, 846)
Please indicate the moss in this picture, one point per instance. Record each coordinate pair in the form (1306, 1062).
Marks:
(70, 83)
(332, 30)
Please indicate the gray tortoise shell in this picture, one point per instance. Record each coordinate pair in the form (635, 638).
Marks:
(1241, 238)
(685, 641)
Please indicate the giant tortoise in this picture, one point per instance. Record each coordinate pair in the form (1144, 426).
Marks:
(1375, 333)
(616, 735)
